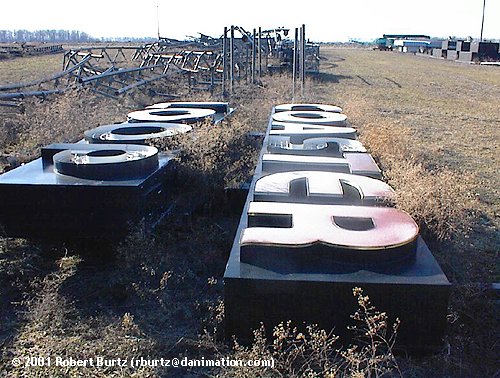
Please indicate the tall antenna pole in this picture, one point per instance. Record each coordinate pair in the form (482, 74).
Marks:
(158, 19)
(482, 22)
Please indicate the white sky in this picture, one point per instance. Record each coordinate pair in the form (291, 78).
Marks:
(333, 20)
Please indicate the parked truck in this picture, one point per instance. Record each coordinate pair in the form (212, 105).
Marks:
(383, 44)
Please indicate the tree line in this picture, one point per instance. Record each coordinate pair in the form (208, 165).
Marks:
(58, 36)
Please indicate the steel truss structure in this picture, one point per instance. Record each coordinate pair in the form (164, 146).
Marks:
(205, 62)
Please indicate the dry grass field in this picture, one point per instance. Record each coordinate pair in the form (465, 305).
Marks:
(432, 125)
(29, 68)
(440, 115)
(451, 108)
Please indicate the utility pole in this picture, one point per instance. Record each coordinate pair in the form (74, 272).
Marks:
(482, 22)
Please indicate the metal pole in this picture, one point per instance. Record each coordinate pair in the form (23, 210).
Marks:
(482, 22)
(158, 19)
(300, 57)
(224, 61)
(212, 80)
(247, 62)
(295, 60)
(267, 51)
(231, 59)
(254, 51)
(260, 51)
(303, 63)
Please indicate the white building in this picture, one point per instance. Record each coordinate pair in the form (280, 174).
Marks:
(411, 45)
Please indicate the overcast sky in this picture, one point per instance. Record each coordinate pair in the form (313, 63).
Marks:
(325, 20)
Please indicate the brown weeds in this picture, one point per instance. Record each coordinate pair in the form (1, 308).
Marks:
(315, 353)
(442, 201)
(54, 332)
(58, 119)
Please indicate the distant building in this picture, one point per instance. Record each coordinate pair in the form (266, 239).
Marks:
(468, 51)
(411, 45)
(404, 42)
